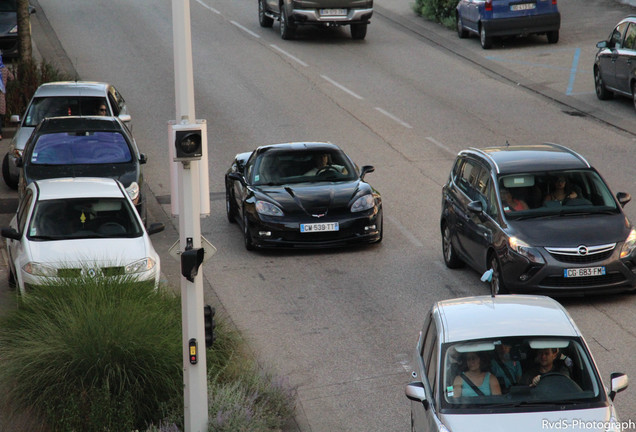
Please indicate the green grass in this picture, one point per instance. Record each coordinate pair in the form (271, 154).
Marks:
(101, 355)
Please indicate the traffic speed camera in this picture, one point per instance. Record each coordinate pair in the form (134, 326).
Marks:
(187, 142)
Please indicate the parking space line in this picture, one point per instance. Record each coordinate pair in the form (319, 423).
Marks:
(575, 65)
(245, 29)
(282, 51)
(341, 87)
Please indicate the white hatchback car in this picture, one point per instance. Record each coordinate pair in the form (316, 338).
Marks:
(65, 227)
(507, 363)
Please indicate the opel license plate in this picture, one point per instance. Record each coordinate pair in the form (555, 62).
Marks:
(319, 227)
(582, 272)
(522, 6)
(333, 12)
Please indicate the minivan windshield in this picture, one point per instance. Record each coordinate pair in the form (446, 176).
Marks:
(518, 371)
(526, 195)
(43, 107)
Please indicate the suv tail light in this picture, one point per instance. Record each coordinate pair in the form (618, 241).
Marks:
(554, 2)
(489, 5)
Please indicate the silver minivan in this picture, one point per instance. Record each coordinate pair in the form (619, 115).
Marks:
(507, 363)
(61, 98)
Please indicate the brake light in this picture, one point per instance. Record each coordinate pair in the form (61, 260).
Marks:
(489, 5)
(554, 2)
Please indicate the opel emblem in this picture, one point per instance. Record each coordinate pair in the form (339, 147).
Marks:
(582, 250)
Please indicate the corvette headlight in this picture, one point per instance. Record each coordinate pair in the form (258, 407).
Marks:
(365, 202)
(267, 208)
(630, 244)
(37, 269)
(133, 192)
(140, 266)
(524, 249)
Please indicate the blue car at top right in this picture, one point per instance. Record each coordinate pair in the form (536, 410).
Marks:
(499, 18)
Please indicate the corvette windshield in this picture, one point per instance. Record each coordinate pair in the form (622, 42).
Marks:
(518, 371)
(287, 167)
(527, 195)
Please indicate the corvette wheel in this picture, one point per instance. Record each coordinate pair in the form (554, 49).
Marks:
(229, 207)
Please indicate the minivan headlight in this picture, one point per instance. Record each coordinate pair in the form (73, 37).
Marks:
(37, 269)
(365, 202)
(133, 192)
(630, 244)
(140, 266)
(524, 249)
(267, 208)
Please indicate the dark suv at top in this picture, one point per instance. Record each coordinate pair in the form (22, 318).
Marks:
(293, 13)
(541, 218)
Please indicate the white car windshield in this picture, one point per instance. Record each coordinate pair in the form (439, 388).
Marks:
(518, 372)
(286, 167)
(527, 195)
(83, 218)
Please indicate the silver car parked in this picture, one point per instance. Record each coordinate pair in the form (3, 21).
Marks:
(507, 363)
(61, 98)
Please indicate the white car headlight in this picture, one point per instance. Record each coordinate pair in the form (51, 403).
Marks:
(133, 192)
(140, 266)
(269, 209)
(630, 244)
(14, 29)
(37, 269)
(365, 202)
(524, 249)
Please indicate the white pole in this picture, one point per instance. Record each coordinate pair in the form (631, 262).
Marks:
(189, 197)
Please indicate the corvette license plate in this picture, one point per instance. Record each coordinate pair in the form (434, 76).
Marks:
(582, 272)
(319, 227)
(522, 6)
(333, 12)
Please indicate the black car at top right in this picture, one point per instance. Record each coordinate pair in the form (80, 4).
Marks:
(541, 218)
(615, 62)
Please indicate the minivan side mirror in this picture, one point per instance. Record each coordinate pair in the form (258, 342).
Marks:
(619, 382)
(126, 118)
(10, 233)
(623, 198)
(601, 44)
(415, 392)
(14, 118)
(475, 207)
(156, 227)
(237, 177)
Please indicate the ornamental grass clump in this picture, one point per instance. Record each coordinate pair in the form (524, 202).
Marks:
(93, 354)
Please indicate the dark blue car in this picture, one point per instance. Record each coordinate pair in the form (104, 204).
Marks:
(494, 18)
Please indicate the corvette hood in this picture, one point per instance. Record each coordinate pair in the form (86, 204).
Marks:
(108, 251)
(314, 198)
(572, 230)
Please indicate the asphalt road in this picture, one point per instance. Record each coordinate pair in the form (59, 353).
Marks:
(341, 325)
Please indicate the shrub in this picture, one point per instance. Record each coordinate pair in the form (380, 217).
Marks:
(28, 77)
(441, 11)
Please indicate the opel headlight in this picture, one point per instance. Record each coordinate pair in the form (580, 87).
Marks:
(267, 208)
(524, 249)
(37, 269)
(365, 202)
(140, 266)
(133, 192)
(630, 244)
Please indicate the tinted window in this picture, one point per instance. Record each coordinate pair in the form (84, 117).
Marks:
(630, 37)
(616, 38)
(43, 107)
(71, 148)
(8, 5)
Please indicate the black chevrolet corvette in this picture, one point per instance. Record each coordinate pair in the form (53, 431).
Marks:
(302, 194)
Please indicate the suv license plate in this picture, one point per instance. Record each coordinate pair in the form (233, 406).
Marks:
(319, 227)
(522, 6)
(333, 12)
(582, 272)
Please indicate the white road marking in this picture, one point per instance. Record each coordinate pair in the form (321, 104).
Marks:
(394, 118)
(341, 87)
(282, 51)
(245, 29)
(209, 7)
(442, 146)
